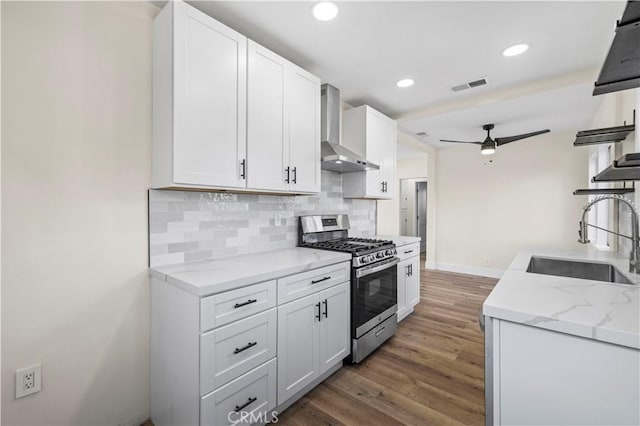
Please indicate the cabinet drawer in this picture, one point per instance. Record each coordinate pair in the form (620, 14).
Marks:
(232, 350)
(251, 395)
(410, 250)
(300, 285)
(223, 308)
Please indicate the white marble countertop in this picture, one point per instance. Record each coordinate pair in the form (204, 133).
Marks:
(593, 309)
(207, 277)
(398, 240)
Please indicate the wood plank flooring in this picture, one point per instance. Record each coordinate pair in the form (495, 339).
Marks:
(430, 373)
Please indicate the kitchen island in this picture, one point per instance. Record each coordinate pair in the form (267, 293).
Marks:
(562, 350)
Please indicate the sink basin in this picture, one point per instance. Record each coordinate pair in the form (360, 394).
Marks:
(576, 269)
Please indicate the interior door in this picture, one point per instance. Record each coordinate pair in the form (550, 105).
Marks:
(302, 95)
(210, 100)
(421, 192)
(298, 340)
(334, 325)
(267, 120)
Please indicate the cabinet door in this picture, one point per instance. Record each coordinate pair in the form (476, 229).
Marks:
(302, 96)
(209, 139)
(267, 120)
(298, 351)
(403, 274)
(388, 141)
(413, 283)
(373, 177)
(334, 325)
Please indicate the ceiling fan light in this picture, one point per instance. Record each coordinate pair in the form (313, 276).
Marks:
(488, 148)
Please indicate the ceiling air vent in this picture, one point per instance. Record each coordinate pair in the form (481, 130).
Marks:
(469, 85)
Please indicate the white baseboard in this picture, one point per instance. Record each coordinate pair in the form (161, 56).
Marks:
(470, 270)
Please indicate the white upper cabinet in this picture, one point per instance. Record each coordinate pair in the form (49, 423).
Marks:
(228, 113)
(199, 103)
(267, 120)
(373, 135)
(283, 140)
(302, 94)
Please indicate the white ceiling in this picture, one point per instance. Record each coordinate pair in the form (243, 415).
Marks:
(569, 108)
(372, 44)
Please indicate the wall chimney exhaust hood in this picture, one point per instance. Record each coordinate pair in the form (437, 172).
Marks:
(335, 157)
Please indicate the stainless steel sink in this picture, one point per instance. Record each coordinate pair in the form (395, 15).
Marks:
(576, 269)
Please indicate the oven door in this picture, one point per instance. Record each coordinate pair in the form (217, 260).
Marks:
(374, 295)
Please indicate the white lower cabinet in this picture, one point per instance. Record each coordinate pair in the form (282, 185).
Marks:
(232, 350)
(235, 357)
(313, 336)
(408, 279)
(248, 399)
(541, 377)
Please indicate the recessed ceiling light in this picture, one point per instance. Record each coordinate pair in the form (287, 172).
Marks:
(405, 82)
(325, 11)
(515, 50)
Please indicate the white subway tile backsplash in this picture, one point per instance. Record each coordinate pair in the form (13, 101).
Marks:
(186, 226)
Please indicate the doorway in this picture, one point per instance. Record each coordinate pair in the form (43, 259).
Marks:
(413, 209)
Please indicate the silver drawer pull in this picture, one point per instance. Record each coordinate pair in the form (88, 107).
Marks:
(379, 332)
(244, 348)
(408, 251)
(320, 280)
(248, 302)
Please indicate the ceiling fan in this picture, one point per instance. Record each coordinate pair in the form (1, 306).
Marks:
(488, 146)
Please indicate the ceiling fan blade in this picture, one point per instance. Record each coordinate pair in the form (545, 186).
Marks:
(502, 141)
(447, 140)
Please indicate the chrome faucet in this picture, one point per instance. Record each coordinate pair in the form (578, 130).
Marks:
(634, 262)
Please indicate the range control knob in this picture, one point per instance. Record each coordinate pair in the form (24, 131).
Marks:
(389, 252)
(379, 254)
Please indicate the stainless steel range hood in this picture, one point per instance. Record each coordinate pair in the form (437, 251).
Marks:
(335, 157)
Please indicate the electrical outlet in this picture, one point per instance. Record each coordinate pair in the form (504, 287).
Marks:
(28, 380)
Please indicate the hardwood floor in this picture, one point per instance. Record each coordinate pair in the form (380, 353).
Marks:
(430, 373)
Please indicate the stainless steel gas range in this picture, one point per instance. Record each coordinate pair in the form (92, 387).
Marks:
(373, 279)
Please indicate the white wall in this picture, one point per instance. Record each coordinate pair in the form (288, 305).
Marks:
(615, 109)
(76, 115)
(418, 167)
(486, 213)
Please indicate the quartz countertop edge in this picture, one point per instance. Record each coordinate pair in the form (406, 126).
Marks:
(398, 240)
(208, 277)
(592, 309)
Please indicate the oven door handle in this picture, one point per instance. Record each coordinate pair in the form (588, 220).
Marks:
(368, 271)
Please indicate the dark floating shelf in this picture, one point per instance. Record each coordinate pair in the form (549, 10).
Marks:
(607, 135)
(628, 160)
(616, 174)
(621, 68)
(603, 191)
